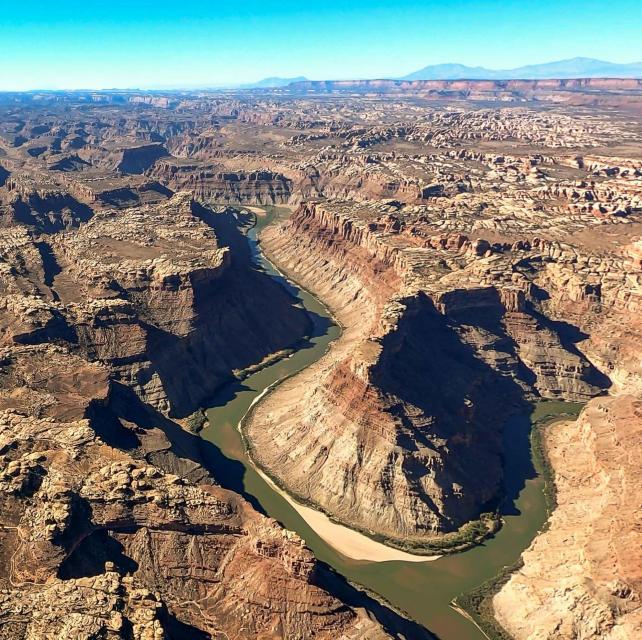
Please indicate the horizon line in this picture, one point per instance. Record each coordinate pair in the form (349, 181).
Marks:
(247, 87)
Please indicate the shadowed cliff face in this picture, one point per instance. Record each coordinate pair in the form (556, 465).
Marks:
(239, 316)
(51, 212)
(239, 323)
(174, 329)
(139, 159)
(515, 337)
(210, 183)
(183, 310)
(443, 399)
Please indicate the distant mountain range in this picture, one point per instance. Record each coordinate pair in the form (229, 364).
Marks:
(273, 83)
(572, 68)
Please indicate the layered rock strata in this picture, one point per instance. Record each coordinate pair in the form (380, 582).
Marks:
(215, 185)
(153, 293)
(96, 541)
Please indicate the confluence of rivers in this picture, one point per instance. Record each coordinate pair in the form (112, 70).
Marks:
(422, 590)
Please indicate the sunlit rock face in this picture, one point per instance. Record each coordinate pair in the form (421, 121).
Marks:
(584, 572)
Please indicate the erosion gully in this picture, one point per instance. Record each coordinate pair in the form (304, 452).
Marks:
(423, 591)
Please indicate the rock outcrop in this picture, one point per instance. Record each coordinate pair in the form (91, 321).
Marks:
(95, 540)
(214, 185)
(139, 159)
(155, 294)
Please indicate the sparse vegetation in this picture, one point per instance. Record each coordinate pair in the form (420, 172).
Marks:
(196, 422)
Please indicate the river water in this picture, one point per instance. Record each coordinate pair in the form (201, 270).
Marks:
(423, 590)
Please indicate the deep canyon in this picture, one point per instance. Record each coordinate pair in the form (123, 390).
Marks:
(480, 248)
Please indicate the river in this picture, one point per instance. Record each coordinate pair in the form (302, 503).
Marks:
(423, 590)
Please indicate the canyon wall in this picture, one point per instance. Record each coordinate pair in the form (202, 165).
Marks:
(98, 541)
(111, 521)
(582, 577)
(167, 326)
(212, 184)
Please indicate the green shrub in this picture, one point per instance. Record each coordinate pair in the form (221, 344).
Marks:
(195, 422)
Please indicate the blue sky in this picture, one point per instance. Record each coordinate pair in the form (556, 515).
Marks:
(140, 43)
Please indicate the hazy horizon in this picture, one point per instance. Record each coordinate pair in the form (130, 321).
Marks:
(147, 45)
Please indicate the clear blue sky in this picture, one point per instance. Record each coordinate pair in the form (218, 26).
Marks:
(143, 43)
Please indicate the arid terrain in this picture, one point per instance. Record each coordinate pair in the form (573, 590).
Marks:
(480, 244)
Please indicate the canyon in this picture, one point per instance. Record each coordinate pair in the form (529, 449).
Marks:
(478, 242)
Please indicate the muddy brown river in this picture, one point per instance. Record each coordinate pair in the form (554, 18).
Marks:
(422, 590)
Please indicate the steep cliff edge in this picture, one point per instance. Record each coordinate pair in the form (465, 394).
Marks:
(396, 430)
(582, 578)
(212, 183)
(166, 313)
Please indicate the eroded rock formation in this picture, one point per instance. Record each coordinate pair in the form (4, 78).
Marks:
(111, 520)
(97, 541)
(400, 433)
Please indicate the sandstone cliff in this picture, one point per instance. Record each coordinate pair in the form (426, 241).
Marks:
(213, 184)
(161, 303)
(97, 541)
(111, 521)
